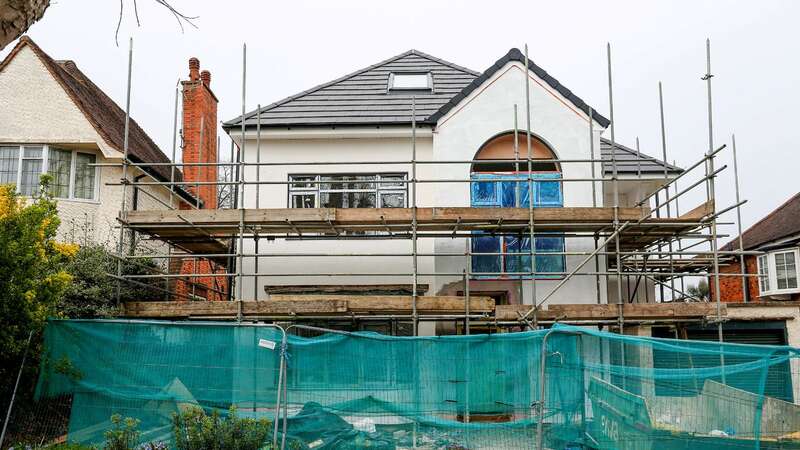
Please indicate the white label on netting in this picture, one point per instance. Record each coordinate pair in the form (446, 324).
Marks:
(316, 443)
(266, 344)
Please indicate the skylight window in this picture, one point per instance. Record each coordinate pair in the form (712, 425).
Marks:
(410, 81)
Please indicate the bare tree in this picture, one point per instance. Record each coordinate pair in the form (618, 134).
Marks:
(16, 16)
(700, 291)
(225, 191)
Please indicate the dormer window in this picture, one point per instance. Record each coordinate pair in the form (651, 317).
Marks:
(410, 81)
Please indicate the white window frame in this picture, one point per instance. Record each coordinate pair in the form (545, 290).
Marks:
(392, 87)
(772, 272)
(382, 186)
(72, 170)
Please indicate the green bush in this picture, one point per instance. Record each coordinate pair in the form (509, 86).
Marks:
(195, 430)
(123, 434)
(93, 293)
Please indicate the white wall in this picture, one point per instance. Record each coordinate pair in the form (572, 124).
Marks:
(489, 111)
(35, 109)
(326, 148)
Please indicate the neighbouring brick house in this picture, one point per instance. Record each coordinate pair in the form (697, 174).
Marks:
(55, 120)
(778, 236)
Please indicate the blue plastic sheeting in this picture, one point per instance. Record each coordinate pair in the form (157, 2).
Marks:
(491, 190)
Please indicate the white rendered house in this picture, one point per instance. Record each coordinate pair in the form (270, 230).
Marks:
(55, 120)
(362, 125)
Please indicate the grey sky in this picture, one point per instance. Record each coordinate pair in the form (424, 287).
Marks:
(295, 45)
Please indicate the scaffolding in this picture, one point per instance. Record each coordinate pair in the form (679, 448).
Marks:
(645, 243)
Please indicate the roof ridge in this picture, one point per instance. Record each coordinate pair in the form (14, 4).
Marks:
(444, 62)
(237, 121)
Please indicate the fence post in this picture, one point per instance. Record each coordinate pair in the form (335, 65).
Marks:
(14, 392)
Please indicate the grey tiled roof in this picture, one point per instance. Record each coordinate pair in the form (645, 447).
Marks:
(628, 162)
(362, 97)
(515, 55)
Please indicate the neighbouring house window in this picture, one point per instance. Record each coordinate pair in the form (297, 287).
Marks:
(72, 171)
(9, 162)
(374, 190)
(59, 167)
(778, 272)
(786, 270)
(763, 273)
(32, 162)
(85, 176)
(410, 81)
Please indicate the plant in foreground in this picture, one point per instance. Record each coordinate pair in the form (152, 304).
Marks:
(195, 430)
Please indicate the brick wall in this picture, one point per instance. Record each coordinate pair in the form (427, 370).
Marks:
(730, 287)
(199, 146)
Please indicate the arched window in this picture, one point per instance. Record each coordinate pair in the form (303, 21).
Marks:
(500, 179)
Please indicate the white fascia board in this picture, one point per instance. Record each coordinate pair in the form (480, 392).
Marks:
(274, 133)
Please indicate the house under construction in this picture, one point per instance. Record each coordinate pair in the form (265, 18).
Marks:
(416, 197)
(404, 198)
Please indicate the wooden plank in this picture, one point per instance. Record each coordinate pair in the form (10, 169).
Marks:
(299, 217)
(208, 309)
(349, 289)
(638, 311)
(378, 304)
(289, 305)
(700, 212)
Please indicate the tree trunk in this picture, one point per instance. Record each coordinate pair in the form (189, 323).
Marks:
(16, 16)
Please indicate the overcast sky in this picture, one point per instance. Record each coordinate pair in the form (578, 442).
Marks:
(298, 44)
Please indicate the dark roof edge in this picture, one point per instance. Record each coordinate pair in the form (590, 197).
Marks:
(670, 167)
(732, 242)
(237, 120)
(177, 189)
(515, 55)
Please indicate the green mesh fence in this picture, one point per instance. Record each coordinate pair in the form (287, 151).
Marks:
(563, 388)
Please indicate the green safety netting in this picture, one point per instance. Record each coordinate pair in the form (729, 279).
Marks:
(355, 390)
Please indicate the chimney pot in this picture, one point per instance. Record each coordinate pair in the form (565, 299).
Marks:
(194, 69)
(206, 77)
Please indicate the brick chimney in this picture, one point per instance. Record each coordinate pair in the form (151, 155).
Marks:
(200, 146)
(200, 133)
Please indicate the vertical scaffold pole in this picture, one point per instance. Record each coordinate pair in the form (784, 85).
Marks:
(172, 179)
(124, 206)
(615, 185)
(710, 191)
(258, 203)
(742, 266)
(517, 191)
(680, 242)
(467, 276)
(531, 221)
(594, 204)
(666, 185)
(240, 170)
(710, 197)
(415, 268)
(174, 149)
(234, 204)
